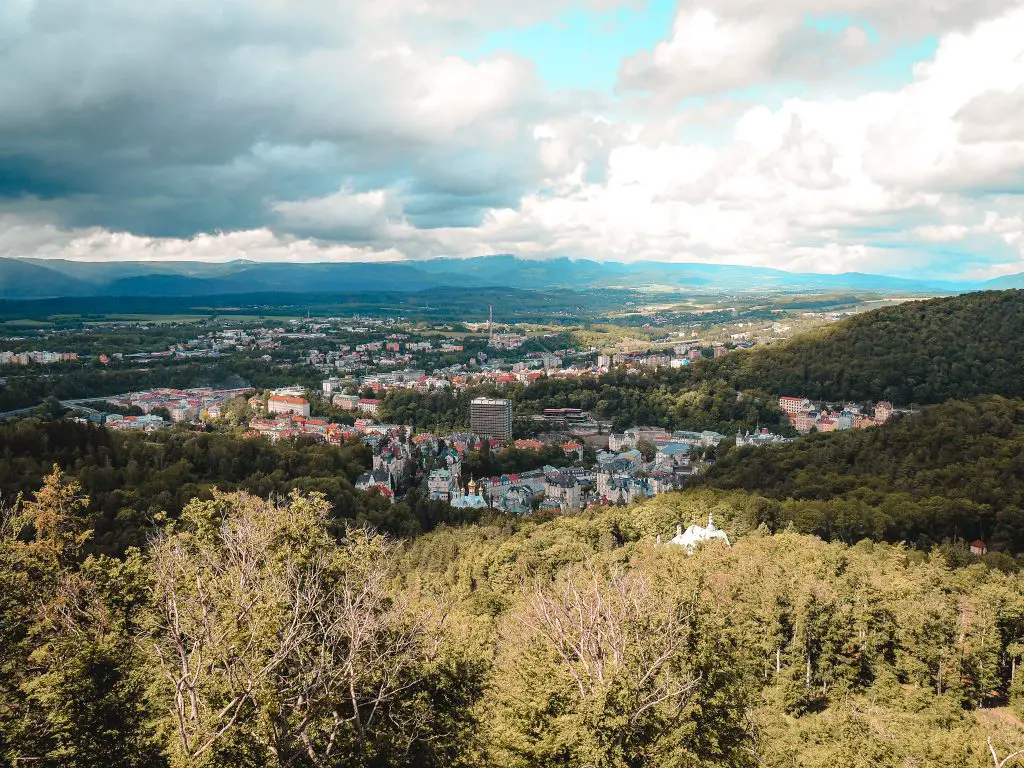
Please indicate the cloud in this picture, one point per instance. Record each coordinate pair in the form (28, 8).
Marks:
(342, 130)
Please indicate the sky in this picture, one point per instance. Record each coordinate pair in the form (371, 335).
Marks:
(807, 135)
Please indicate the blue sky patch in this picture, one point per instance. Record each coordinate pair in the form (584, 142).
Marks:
(583, 51)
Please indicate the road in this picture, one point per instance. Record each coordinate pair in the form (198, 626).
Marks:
(76, 404)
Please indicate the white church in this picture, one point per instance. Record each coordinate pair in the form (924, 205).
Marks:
(697, 534)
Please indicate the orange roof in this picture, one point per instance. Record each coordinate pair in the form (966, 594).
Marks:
(288, 399)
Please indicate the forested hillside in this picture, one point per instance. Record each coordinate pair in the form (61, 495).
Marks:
(255, 633)
(951, 471)
(133, 478)
(918, 352)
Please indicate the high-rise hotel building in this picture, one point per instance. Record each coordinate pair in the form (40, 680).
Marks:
(491, 417)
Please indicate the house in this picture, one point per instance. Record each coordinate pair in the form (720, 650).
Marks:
(529, 445)
(804, 421)
(288, 404)
(379, 479)
(672, 454)
(516, 499)
(621, 442)
(978, 547)
(573, 450)
(883, 411)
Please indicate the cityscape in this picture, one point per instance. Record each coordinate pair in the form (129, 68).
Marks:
(511, 384)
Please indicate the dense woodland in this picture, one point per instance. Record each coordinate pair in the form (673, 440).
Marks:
(917, 352)
(259, 634)
(133, 479)
(951, 471)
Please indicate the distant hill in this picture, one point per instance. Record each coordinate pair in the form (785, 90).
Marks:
(1006, 281)
(25, 280)
(56, 278)
(916, 352)
(954, 470)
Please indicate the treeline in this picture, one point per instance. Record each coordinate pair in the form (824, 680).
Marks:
(132, 479)
(673, 399)
(28, 386)
(255, 633)
(951, 471)
(917, 352)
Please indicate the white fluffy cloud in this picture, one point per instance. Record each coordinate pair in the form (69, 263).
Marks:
(337, 130)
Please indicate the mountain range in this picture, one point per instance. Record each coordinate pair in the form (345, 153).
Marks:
(54, 278)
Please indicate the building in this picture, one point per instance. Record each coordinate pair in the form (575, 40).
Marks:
(183, 413)
(794, 404)
(470, 499)
(288, 404)
(883, 411)
(696, 534)
(441, 484)
(368, 405)
(331, 386)
(565, 490)
(379, 480)
(979, 547)
(348, 402)
(491, 417)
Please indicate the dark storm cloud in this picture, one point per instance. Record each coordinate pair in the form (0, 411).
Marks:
(172, 118)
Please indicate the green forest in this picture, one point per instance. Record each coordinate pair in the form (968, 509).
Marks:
(951, 471)
(258, 633)
(916, 352)
(189, 598)
(134, 480)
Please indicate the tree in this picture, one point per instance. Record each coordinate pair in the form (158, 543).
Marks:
(271, 637)
(647, 448)
(599, 669)
(71, 685)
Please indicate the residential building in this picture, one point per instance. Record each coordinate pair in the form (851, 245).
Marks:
(883, 411)
(379, 479)
(794, 404)
(565, 489)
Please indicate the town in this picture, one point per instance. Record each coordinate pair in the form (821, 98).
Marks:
(578, 463)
